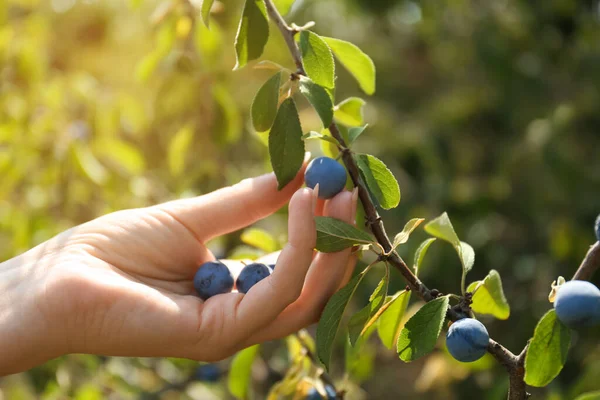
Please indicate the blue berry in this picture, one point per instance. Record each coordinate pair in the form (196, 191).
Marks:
(328, 173)
(213, 278)
(331, 393)
(467, 340)
(577, 304)
(250, 275)
(313, 394)
(597, 228)
(207, 373)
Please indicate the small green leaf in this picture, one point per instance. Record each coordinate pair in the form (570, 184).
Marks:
(205, 11)
(318, 97)
(467, 256)
(356, 62)
(547, 351)
(252, 34)
(363, 320)
(391, 318)
(270, 65)
(332, 316)
(420, 334)
(349, 112)
(589, 396)
(489, 297)
(317, 59)
(260, 239)
(240, 372)
(354, 133)
(318, 135)
(286, 146)
(403, 236)
(178, 148)
(335, 235)
(283, 6)
(380, 180)
(442, 228)
(357, 323)
(264, 106)
(420, 254)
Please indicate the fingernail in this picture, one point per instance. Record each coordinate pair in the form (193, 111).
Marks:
(307, 156)
(315, 198)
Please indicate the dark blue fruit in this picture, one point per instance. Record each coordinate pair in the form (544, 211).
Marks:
(467, 340)
(313, 394)
(207, 373)
(577, 304)
(597, 228)
(331, 393)
(213, 278)
(251, 274)
(328, 173)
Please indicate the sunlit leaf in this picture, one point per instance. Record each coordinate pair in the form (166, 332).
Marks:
(286, 146)
(391, 317)
(318, 97)
(317, 59)
(356, 61)
(264, 106)
(403, 236)
(381, 182)
(283, 6)
(240, 372)
(205, 11)
(252, 34)
(489, 297)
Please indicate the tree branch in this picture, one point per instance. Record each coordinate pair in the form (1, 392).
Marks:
(512, 363)
(589, 265)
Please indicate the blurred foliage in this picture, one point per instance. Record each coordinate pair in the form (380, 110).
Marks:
(487, 110)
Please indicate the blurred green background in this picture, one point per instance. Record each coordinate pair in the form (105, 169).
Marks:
(487, 110)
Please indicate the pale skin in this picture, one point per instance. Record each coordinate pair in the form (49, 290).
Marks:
(121, 285)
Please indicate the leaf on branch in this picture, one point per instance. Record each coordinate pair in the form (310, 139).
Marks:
(264, 105)
(360, 322)
(589, 396)
(489, 297)
(420, 334)
(319, 98)
(317, 59)
(205, 11)
(390, 318)
(332, 316)
(381, 182)
(355, 132)
(356, 62)
(240, 370)
(252, 34)
(283, 6)
(335, 235)
(349, 112)
(286, 146)
(421, 252)
(547, 351)
(319, 135)
(403, 236)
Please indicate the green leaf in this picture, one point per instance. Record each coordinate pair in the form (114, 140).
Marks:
(354, 133)
(240, 372)
(332, 316)
(89, 164)
(317, 59)
(420, 334)
(403, 236)
(349, 112)
(286, 146)
(380, 180)
(363, 320)
(442, 228)
(391, 318)
(318, 97)
(121, 155)
(489, 297)
(356, 62)
(264, 105)
(205, 11)
(589, 396)
(547, 351)
(467, 256)
(420, 254)
(260, 239)
(318, 135)
(283, 6)
(335, 235)
(178, 148)
(252, 34)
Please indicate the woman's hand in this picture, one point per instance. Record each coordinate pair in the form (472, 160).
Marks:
(121, 284)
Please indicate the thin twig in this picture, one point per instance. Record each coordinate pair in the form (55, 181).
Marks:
(589, 265)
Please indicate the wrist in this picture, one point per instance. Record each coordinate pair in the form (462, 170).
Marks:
(28, 334)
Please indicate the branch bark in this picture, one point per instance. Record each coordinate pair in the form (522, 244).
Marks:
(513, 364)
(589, 265)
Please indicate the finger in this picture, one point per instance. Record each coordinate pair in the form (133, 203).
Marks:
(234, 207)
(272, 295)
(324, 277)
